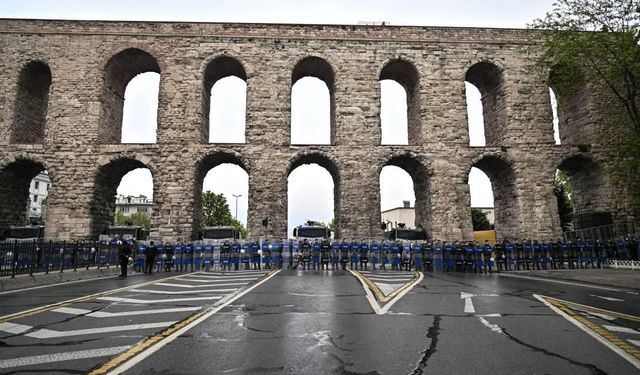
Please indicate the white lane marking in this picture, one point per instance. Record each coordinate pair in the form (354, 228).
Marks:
(493, 327)
(621, 329)
(374, 275)
(387, 289)
(214, 309)
(198, 286)
(607, 298)
(367, 292)
(558, 282)
(468, 306)
(194, 280)
(104, 314)
(635, 342)
(152, 291)
(55, 284)
(591, 333)
(60, 357)
(14, 328)
(372, 301)
(397, 281)
(602, 316)
(48, 333)
(228, 278)
(168, 300)
(468, 303)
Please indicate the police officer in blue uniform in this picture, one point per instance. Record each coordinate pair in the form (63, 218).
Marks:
(344, 254)
(510, 253)
(385, 255)
(448, 256)
(315, 254)
(325, 254)
(375, 254)
(306, 253)
(364, 255)
(487, 253)
(499, 254)
(537, 255)
(335, 255)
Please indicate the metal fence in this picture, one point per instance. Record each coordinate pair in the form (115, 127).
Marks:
(603, 233)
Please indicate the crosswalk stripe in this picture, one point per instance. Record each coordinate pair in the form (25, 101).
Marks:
(105, 314)
(621, 329)
(60, 357)
(199, 286)
(152, 291)
(13, 328)
(234, 277)
(195, 280)
(635, 342)
(48, 333)
(149, 301)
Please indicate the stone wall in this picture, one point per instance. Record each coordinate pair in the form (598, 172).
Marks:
(91, 62)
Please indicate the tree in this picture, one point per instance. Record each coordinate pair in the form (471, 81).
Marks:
(119, 218)
(598, 39)
(563, 191)
(140, 219)
(332, 225)
(479, 220)
(216, 212)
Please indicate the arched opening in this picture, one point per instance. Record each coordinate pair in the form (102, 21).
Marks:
(404, 181)
(224, 101)
(23, 193)
(30, 108)
(134, 200)
(482, 201)
(313, 192)
(588, 192)
(489, 81)
(475, 116)
(500, 172)
(232, 182)
(400, 104)
(118, 73)
(113, 192)
(140, 113)
(569, 100)
(312, 102)
(221, 173)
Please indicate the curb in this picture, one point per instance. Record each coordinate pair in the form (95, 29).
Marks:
(26, 281)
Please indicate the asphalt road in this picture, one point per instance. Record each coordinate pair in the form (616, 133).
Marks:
(322, 322)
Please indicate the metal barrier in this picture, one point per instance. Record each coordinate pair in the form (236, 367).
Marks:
(624, 264)
(603, 233)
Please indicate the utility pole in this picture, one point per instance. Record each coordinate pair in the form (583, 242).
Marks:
(236, 196)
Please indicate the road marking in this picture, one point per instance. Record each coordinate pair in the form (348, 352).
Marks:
(138, 353)
(635, 342)
(104, 314)
(602, 316)
(196, 280)
(558, 282)
(153, 291)
(14, 328)
(607, 339)
(59, 357)
(198, 286)
(41, 309)
(55, 284)
(468, 303)
(494, 327)
(168, 300)
(621, 329)
(607, 298)
(390, 299)
(49, 333)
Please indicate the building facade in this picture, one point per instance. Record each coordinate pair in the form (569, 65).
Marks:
(38, 191)
(134, 204)
(62, 85)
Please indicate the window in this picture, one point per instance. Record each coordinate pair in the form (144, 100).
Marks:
(35, 199)
(37, 186)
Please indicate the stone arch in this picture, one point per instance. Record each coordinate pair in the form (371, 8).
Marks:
(332, 166)
(314, 66)
(202, 166)
(590, 197)
(573, 100)
(405, 73)
(16, 175)
(420, 173)
(502, 174)
(219, 67)
(31, 102)
(489, 79)
(117, 73)
(107, 179)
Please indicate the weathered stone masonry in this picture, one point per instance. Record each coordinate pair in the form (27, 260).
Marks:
(62, 85)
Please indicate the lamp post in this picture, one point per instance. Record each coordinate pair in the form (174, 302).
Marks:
(236, 196)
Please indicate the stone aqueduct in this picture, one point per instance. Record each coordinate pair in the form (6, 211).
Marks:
(62, 86)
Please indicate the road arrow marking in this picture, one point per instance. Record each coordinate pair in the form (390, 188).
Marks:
(468, 304)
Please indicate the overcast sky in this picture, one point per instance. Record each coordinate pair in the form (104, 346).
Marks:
(306, 200)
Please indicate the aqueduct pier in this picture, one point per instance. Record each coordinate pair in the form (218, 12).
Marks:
(61, 104)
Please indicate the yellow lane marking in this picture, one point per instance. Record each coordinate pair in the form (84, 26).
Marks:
(577, 306)
(158, 340)
(378, 293)
(39, 310)
(566, 307)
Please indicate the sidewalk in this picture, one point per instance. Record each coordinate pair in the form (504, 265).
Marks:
(621, 278)
(54, 277)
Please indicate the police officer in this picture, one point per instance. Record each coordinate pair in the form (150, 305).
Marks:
(546, 254)
(591, 258)
(354, 254)
(510, 251)
(537, 255)
(315, 253)
(437, 255)
(150, 256)
(168, 256)
(344, 254)
(364, 255)
(335, 255)
(528, 253)
(386, 248)
(124, 252)
(573, 254)
(325, 254)
(564, 253)
(469, 257)
(406, 256)
(498, 249)
(225, 255)
(255, 254)
(487, 252)
(520, 258)
(428, 256)
(418, 259)
(375, 254)
(448, 256)
(306, 253)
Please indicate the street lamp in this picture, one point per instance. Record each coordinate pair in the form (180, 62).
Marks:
(236, 196)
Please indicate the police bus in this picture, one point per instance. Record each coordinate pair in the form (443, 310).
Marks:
(25, 233)
(406, 234)
(126, 232)
(311, 231)
(218, 233)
